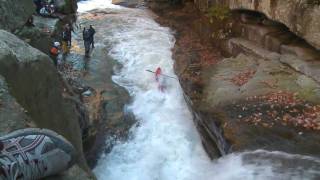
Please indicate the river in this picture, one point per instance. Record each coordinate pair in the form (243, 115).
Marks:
(164, 144)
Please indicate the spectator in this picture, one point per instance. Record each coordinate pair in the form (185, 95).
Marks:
(66, 38)
(54, 52)
(92, 32)
(68, 30)
(30, 22)
(87, 41)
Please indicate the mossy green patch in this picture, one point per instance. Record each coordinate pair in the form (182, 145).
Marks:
(218, 12)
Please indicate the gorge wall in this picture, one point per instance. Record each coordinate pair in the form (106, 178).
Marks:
(300, 16)
(271, 78)
(263, 93)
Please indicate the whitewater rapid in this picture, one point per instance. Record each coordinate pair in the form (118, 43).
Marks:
(164, 145)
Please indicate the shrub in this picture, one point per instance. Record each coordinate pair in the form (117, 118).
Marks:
(218, 12)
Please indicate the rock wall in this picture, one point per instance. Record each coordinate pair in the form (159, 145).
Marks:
(12, 115)
(14, 13)
(264, 96)
(32, 91)
(272, 73)
(301, 16)
(36, 85)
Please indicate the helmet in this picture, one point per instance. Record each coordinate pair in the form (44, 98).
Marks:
(56, 44)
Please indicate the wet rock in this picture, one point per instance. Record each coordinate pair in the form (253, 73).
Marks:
(243, 117)
(47, 25)
(35, 83)
(74, 173)
(12, 115)
(300, 49)
(127, 3)
(255, 32)
(305, 63)
(310, 69)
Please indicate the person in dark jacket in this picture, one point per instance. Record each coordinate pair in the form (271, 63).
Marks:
(69, 36)
(87, 40)
(66, 38)
(92, 32)
(30, 22)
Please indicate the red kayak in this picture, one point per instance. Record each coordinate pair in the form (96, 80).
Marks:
(159, 79)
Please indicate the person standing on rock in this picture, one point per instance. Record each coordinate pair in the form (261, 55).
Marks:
(92, 32)
(87, 40)
(69, 35)
(64, 41)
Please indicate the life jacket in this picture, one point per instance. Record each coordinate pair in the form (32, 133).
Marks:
(158, 73)
(54, 51)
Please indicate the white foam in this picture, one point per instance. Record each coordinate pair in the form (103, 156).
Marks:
(84, 6)
(165, 145)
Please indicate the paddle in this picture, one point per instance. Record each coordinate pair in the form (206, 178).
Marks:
(162, 74)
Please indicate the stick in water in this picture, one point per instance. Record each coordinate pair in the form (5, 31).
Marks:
(162, 74)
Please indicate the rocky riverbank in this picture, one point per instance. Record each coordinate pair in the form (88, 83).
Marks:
(91, 78)
(79, 95)
(34, 94)
(255, 96)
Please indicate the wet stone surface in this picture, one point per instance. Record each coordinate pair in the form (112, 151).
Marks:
(91, 78)
(253, 102)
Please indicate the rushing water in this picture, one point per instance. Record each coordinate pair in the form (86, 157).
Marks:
(164, 144)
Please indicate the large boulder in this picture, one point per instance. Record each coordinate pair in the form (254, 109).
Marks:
(268, 105)
(12, 115)
(74, 173)
(36, 85)
(127, 3)
(15, 13)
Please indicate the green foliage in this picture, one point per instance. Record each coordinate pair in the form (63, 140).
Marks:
(218, 12)
(219, 17)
